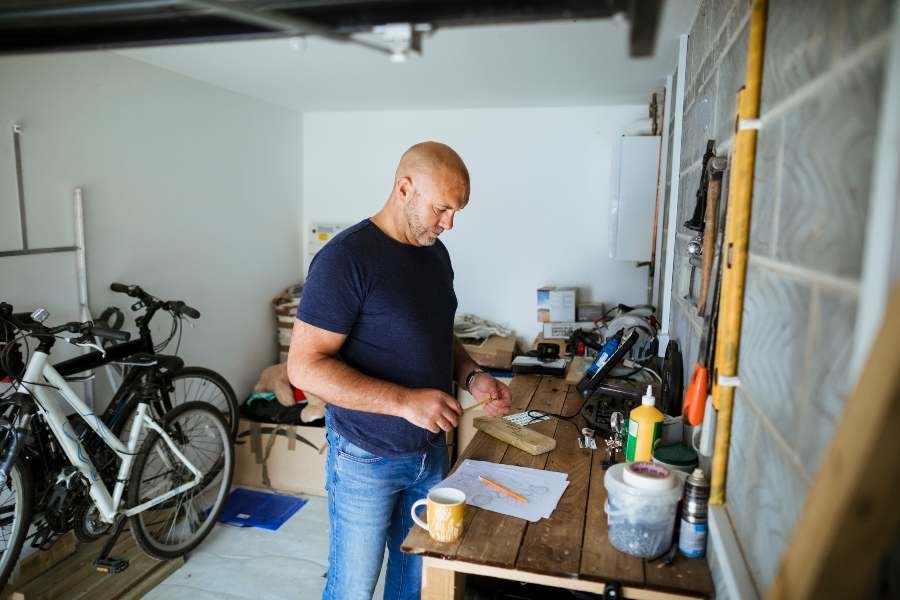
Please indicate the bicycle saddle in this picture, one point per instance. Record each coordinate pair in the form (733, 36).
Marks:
(165, 362)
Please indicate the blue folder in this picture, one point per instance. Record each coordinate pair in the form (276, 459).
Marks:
(249, 508)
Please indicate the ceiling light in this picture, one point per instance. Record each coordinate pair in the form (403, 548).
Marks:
(403, 39)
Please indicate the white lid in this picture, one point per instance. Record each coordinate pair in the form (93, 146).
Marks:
(648, 398)
(648, 476)
(626, 494)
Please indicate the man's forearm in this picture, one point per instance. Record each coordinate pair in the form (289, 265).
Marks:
(340, 384)
(462, 363)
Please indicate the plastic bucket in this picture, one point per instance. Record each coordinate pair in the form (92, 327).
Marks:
(640, 521)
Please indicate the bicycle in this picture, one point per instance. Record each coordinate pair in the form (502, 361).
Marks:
(170, 485)
(178, 383)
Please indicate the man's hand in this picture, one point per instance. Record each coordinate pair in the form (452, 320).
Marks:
(485, 387)
(431, 409)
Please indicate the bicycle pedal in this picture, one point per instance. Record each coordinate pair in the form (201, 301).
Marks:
(110, 566)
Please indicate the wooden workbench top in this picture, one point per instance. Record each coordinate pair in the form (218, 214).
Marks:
(573, 542)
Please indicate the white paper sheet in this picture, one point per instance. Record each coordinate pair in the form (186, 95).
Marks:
(542, 489)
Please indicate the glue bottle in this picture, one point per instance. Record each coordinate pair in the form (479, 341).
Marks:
(644, 429)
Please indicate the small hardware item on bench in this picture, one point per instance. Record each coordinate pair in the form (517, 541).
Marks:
(525, 439)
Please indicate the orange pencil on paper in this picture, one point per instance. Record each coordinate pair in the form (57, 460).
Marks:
(499, 487)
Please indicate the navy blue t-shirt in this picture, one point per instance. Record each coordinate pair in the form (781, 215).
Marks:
(396, 304)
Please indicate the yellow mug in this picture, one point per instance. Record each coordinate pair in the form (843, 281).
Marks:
(445, 509)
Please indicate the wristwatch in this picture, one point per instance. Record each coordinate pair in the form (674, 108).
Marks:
(471, 377)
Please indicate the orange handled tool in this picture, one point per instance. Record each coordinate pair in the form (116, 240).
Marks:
(695, 396)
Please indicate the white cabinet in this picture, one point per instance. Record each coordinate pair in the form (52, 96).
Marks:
(633, 198)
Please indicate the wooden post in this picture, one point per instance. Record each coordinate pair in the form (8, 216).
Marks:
(852, 510)
(440, 584)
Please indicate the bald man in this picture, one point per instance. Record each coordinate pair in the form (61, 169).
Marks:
(374, 338)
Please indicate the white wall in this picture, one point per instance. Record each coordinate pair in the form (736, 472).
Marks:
(539, 208)
(190, 190)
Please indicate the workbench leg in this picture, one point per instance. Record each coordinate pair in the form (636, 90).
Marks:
(441, 584)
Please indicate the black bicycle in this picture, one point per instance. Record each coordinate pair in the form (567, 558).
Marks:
(176, 383)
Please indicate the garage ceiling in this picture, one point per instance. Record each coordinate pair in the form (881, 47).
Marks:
(484, 54)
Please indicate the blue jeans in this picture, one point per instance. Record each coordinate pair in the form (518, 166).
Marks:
(369, 499)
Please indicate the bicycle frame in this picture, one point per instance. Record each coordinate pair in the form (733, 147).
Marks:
(107, 504)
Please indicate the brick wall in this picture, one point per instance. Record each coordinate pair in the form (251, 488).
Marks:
(821, 94)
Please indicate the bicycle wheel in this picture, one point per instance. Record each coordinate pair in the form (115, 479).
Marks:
(193, 384)
(190, 384)
(175, 526)
(15, 518)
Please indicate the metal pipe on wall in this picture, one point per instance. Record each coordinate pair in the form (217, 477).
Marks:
(84, 311)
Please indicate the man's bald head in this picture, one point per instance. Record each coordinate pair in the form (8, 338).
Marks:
(434, 160)
(431, 185)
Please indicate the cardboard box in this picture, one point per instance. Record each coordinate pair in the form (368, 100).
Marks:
(495, 352)
(562, 331)
(590, 311)
(556, 304)
(283, 458)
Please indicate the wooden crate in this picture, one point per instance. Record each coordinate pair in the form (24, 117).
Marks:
(74, 576)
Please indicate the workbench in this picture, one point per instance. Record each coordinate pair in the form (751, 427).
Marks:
(570, 549)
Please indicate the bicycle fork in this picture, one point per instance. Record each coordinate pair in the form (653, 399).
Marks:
(17, 430)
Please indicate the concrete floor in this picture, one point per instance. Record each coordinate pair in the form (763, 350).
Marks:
(249, 563)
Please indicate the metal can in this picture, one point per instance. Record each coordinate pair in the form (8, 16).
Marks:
(694, 516)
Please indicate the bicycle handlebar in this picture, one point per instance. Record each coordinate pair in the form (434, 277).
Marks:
(183, 309)
(24, 322)
(110, 334)
(176, 306)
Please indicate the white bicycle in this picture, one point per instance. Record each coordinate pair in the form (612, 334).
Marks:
(172, 477)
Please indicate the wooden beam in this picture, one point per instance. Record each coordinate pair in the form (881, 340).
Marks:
(595, 587)
(441, 584)
(852, 511)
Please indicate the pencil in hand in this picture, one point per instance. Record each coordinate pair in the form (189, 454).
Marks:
(468, 408)
(499, 487)
(482, 403)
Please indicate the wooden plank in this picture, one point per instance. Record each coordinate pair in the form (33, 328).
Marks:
(687, 575)
(599, 559)
(522, 389)
(851, 517)
(441, 584)
(68, 572)
(152, 579)
(553, 545)
(492, 538)
(482, 447)
(75, 577)
(523, 438)
(86, 582)
(141, 567)
(583, 585)
(100, 586)
(40, 562)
